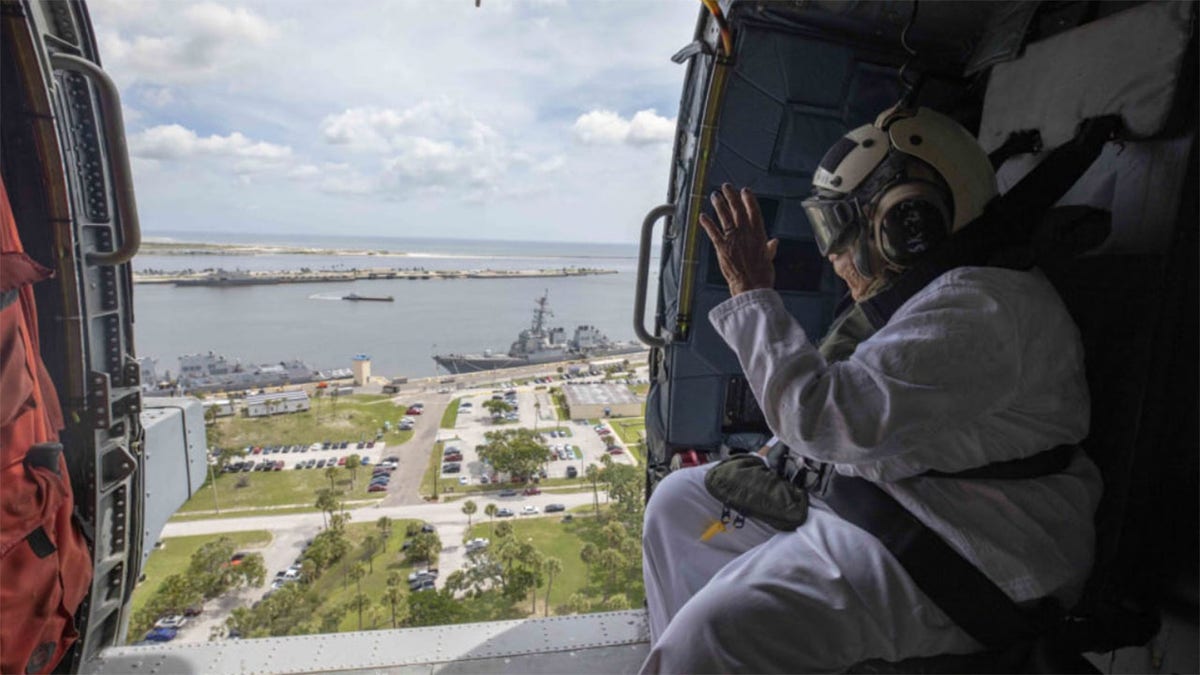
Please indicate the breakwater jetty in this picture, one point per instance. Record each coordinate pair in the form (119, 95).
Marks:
(226, 278)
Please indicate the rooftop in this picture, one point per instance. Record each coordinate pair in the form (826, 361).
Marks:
(599, 394)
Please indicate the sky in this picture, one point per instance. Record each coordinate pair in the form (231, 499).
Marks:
(536, 120)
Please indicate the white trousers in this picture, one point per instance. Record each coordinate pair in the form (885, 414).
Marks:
(818, 599)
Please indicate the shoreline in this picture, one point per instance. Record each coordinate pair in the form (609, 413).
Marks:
(226, 279)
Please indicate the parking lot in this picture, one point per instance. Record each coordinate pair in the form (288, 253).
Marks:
(572, 444)
(314, 456)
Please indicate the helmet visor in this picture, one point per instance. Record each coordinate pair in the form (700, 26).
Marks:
(835, 222)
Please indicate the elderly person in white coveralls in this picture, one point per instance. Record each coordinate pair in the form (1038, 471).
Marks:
(982, 365)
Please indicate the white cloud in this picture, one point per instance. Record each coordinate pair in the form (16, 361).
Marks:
(605, 127)
(174, 142)
(431, 147)
(204, 42)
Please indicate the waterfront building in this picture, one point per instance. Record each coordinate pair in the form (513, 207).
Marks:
(274, 403)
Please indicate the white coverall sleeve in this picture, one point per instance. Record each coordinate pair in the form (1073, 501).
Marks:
(946, 358)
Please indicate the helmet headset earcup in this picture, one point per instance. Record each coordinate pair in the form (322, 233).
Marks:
(909, 220)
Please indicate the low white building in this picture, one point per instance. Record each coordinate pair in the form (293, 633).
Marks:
(275, 403)
(589, 401)
(223, 406)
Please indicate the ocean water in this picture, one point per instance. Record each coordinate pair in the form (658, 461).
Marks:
(268, 324)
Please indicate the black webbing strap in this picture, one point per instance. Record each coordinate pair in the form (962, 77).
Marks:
(955, 585)
(1046, 463)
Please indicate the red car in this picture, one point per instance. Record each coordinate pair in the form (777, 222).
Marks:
(615, 451)
(378, 487)
(533, 490)
(413, 410)
(341, 461)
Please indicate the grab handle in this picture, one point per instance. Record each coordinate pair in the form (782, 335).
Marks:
(122, 176)
(643, 274)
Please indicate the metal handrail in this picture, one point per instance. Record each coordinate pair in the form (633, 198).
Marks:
(122, 175)
(643, 275)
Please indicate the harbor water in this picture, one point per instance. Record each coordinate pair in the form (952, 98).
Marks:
(310, 321)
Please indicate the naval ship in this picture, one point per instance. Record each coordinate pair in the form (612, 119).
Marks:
(539, 344)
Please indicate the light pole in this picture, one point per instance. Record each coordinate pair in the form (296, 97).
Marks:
(212, 479)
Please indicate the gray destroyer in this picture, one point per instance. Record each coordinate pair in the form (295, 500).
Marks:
(539, 344)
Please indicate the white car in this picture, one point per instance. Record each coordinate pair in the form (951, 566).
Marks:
(174, 621)
(463, 480)
(530, 510)
(476, 544)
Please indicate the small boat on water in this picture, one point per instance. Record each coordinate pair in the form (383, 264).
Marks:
(374, 298)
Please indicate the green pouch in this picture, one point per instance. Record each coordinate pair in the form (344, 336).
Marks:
(744, 483)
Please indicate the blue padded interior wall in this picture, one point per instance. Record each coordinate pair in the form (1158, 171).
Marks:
(788, 99)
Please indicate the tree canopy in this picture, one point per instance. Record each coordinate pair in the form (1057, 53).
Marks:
(517, 452)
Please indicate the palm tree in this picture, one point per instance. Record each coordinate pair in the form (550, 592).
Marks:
(469, 507)
(385, 531)
(356, 573)
(392, 597)
(328, 503)
(371, 546)
(331, 473)
(490, 511)
(352, 464)
(553, 567)
(588, 553)
(360, 602)
(593, 476)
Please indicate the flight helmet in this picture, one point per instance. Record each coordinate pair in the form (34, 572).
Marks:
(905, 183)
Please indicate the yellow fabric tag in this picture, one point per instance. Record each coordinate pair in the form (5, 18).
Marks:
(713, 530)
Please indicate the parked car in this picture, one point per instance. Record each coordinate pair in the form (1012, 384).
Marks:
(453, 457)
(341, 461)
(161, 635)
(382, 480)
(614, 450)
(552, 508)
(428, 529)
(452, 467)
(529, 510)
(413, 410)
(423, 585)
(377, 487)
(504, 513)
(237, 558)
(477, 544)
(310, 464)
(320, 463)
(533, 490)
(572, 472)
(423, 574)
(508, 493)
(173, 621)
(484, 480)
(194, 610)
(463, 480)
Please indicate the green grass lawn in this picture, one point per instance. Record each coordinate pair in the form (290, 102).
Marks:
(640, 389)
(289, 487)
(554, 538)
(175, 554)
(351, 418)
(450, 415)
(630, 430)
(334, 587)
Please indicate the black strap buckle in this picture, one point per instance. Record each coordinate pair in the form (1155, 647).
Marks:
(813, 476)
